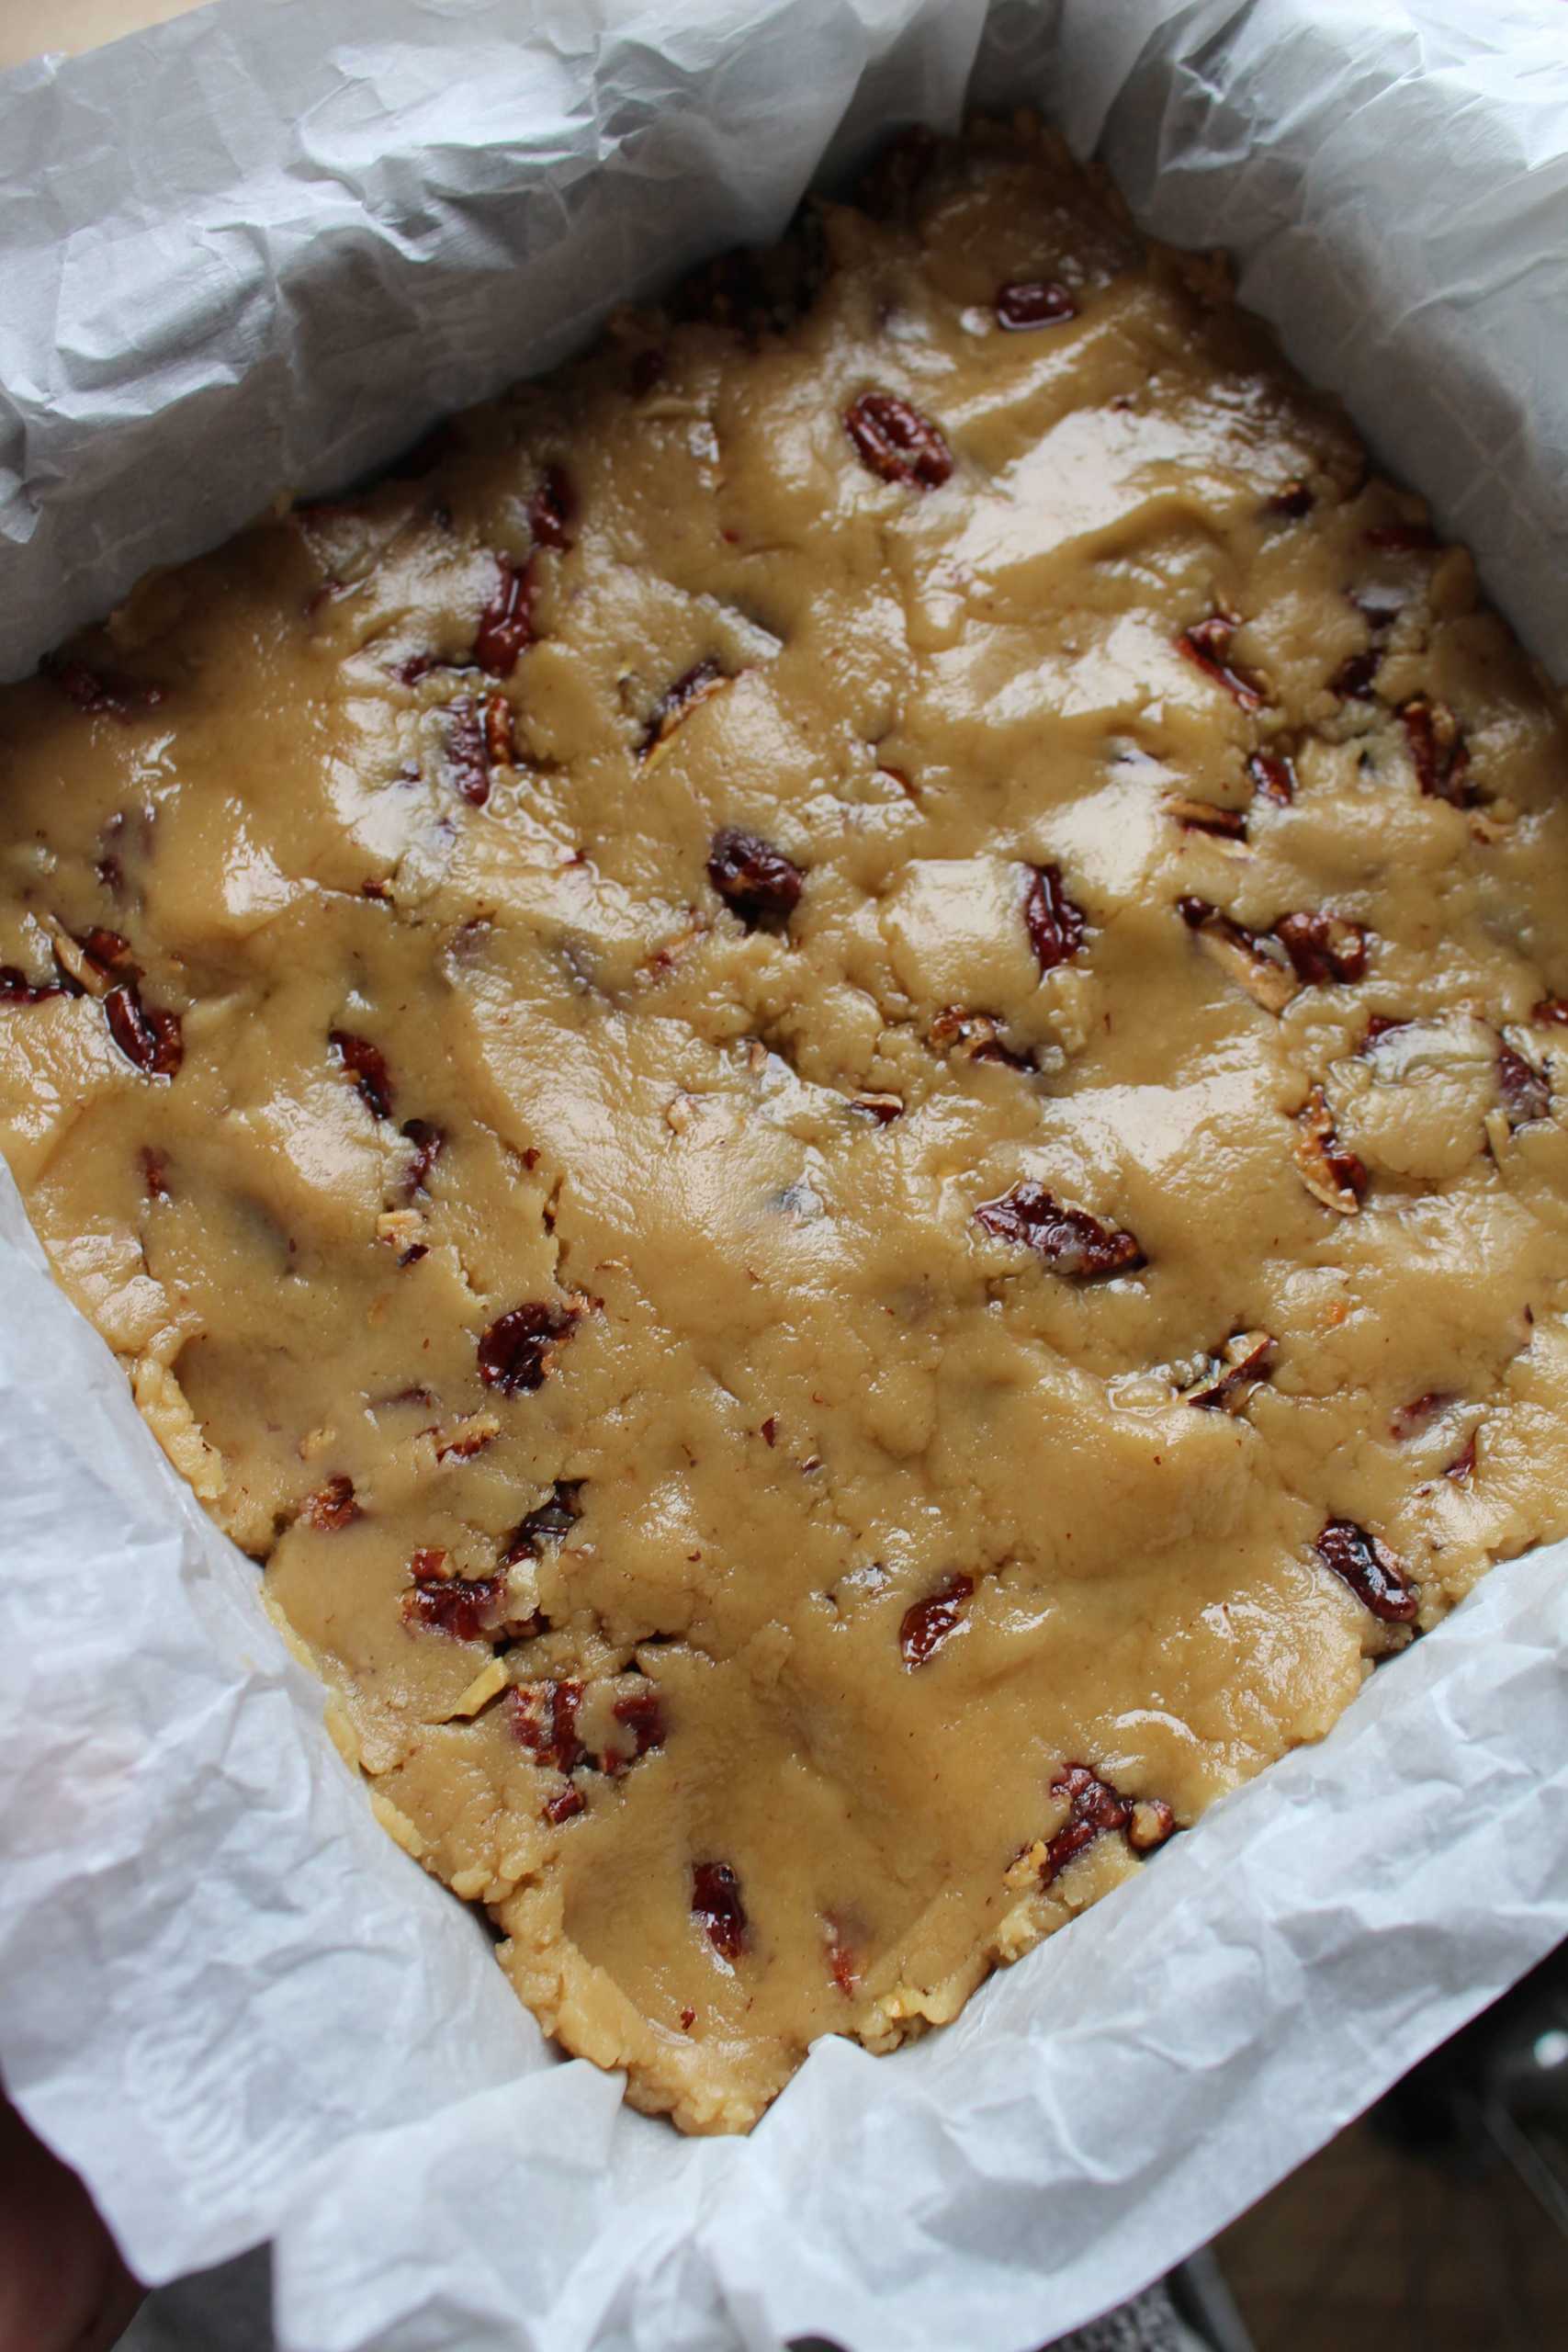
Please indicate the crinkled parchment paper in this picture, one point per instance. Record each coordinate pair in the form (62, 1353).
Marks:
(260, 246)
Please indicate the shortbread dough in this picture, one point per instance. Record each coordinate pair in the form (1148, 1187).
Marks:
(819, 1081)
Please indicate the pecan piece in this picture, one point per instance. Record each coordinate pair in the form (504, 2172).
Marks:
(1378, 1577)
(896, 441)
(755, 881)
(1240, 1364)
(1273, 777)
(1401, 538)
(100, 691)
(1026, 302)
(154, 1172)
(881, 1108)
(1409, 1421)
(478, 736)
(367, 1064)
(1324, 946)
(927, 1623)
(552, 509)
(1205, 817)
(1072, 1242)
(1438, 751)
(716, 1901)
(551, 1522)
(1553, 1008)
(1293, 499)
(695, 685)
(506, 624)
(1526, 1090)
(1207, 645)
(147, 1036)
(977, 1036)
(544, 1720)
(1055, 924)
(518, 1348)
(470, 1608)
(332, 1507)
(1355, 678)
(1332, 1175)
(641, 1713)
(1252, 959)
(1152, 1823)
(429, 1141)
(1093, 1807)
(17, 988)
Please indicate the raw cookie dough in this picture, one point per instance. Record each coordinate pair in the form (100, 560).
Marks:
(818, 1078)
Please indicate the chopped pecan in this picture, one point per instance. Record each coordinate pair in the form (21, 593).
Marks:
(927, 1623)
(479, 738)
(1409, 1421)
(1438, 751)
(506, 624)
(1273, 777)
(102, 690)
(518, 1348)
(1207, 645)
(1526, 1090)
(695, 685)
(882, 1109)
(147, 1036)
(1072, 1242)
(17, 988)
(641, 1713)
(1027, 302)
(564, 1806)
(1553, 1008)
(1152, 1823)
(154, 1172)
(1240, 1364)
(896, 441)
(1293, 499)
(977, 1035)
(1324, 946)
(716, 1901)
(429, 1141)
(1378, 1577)
(1055, 924)
(544, 1720)
(367, 1064)
(551, 1522)
(1205, 817)
(471, 1609)
(552, 510)
(1355, 678)
(332, 1507)
(1332, 1175)
(842, 1962)
(1252, 959)
(1463, 1463)
(1401, 538)
(755, 881)
(1093, 1807)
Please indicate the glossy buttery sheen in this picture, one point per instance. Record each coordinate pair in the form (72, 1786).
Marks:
(777, 1591)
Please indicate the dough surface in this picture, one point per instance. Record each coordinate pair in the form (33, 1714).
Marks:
(818, 1077)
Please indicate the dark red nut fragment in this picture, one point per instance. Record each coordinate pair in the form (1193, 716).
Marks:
(332, 1507)
(1207, 645)
(154, 1172)
(1324, 946)
(17, 988)
(1409, 1421)
(1206, 816)
(480, 737)
(1240, 1364)
(1056, 925)
(517, 1350)
(678, 701)
(896, 441)
(1255, 960)
(1526, 1090)
(550, 1523)
(841, 1963)
(1027, 302)
(1378, 1577)
(564, 1806)
(1463, 1463)
(755, 881)
(927, 1623)
(367, 1064)
(1552, 1009)
(1152, 1823)
(552, 509)
(1293, 499)
(1273, 777)
(1331, 1174)
(1355, 678)
(977, 1035)
(1403, 539)
(1072, 1243)
(1093, 1807)
(544, 1720)
(470, 1608)
(100, 691)
(429, 1141)
(506, 624)
(771, 1429)
(1438, 751)
(109, 951)
(414, 1253)
(149, 1038)
(642, 1713)
(716, 1901)
(881, 1108)
(1380, 1025)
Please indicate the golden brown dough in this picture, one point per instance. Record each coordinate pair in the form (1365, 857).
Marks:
(818, 1078)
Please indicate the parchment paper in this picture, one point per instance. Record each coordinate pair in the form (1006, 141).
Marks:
(262, 246)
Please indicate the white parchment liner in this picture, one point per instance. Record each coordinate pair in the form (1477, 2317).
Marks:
(262, 246)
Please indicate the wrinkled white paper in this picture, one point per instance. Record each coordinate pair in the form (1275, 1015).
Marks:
(262, 246)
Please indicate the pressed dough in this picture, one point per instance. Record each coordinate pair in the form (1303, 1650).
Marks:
(833, 1118)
